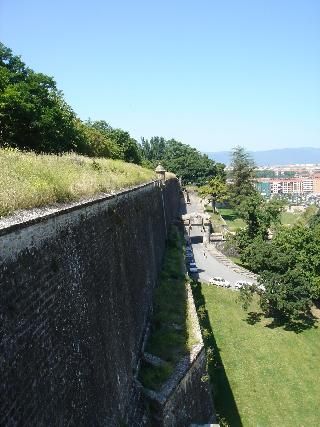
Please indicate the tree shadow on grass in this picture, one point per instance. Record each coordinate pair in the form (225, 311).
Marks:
(298, 325)
(254, 317)
(223, 397)
(229, 216)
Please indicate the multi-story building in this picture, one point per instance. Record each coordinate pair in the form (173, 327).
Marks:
(300, 185)
(316, 183)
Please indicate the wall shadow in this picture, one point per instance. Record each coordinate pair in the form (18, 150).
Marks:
(196, 239)
(183, 206)
(223, 397)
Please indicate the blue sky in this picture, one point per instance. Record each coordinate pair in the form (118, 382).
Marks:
(212, 74)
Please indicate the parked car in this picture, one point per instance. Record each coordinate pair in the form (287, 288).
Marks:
(219, 281)
(193, 270)
(189, 255)
(192, 264)
(241, 284)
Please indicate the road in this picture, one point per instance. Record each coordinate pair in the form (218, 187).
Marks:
(210, 262)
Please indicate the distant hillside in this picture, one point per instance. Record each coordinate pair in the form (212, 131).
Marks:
(283, 156)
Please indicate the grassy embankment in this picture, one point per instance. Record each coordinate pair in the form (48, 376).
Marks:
(29, 180)
(216, 219)
(262, 375)
(172, 333)
(232, 219)
(234, 222)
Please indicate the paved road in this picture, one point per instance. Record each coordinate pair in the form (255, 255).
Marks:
(209, 260)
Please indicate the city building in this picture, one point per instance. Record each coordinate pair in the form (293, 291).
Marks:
(298, 185)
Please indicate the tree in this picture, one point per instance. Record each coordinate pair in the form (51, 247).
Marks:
(34, 116)
(315, 219)
(33, 113)
(128, 148)
(186, 162)
(154, 149)
(96, 143)
(259, 214)
(242, 175)
(215, 189)
(289, 268)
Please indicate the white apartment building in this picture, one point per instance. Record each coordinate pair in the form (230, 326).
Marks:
(291, 185)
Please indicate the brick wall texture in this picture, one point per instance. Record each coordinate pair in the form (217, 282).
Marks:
(76, 289)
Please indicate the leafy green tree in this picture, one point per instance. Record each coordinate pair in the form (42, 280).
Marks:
(154, 149)
(128, 148)
(34, 116)
(315, 219)
(96, 143)
(289, 268)
(242, 175)
(259, 214)
(33, 113)
(215, 190)
(186, 162)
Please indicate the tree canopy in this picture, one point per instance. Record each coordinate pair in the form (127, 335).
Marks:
(288, 265)
(34, 116)
(215, 190)
(186, 162)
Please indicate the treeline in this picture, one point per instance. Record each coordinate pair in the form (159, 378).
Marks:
(34, 116)
(186, 162)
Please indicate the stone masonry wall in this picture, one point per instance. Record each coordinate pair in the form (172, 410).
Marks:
(76, 288)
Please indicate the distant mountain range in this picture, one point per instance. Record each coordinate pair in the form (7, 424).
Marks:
(284, 156)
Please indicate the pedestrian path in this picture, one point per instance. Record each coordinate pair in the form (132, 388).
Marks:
(227, 262)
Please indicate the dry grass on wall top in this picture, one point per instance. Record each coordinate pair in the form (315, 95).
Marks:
(29, 180)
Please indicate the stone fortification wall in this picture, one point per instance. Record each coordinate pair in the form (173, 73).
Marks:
(76, 287)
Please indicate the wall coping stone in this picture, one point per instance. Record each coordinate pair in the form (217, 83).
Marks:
(29, 228)
(27, 217)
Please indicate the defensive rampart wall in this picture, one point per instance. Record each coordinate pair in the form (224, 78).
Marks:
(76, 288)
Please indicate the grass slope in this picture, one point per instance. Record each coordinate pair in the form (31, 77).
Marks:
(262, 375)
(172, 332)
(29, 180)
(234, 223)
(290, 218)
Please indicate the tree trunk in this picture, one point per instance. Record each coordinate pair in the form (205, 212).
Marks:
(213, 203)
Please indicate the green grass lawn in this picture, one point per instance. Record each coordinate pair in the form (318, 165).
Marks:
(216, 223)
(237, 261)
(231, 218)
(262, 375)
(290, 218)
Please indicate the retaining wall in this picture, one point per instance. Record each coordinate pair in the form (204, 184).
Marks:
(76, 287)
